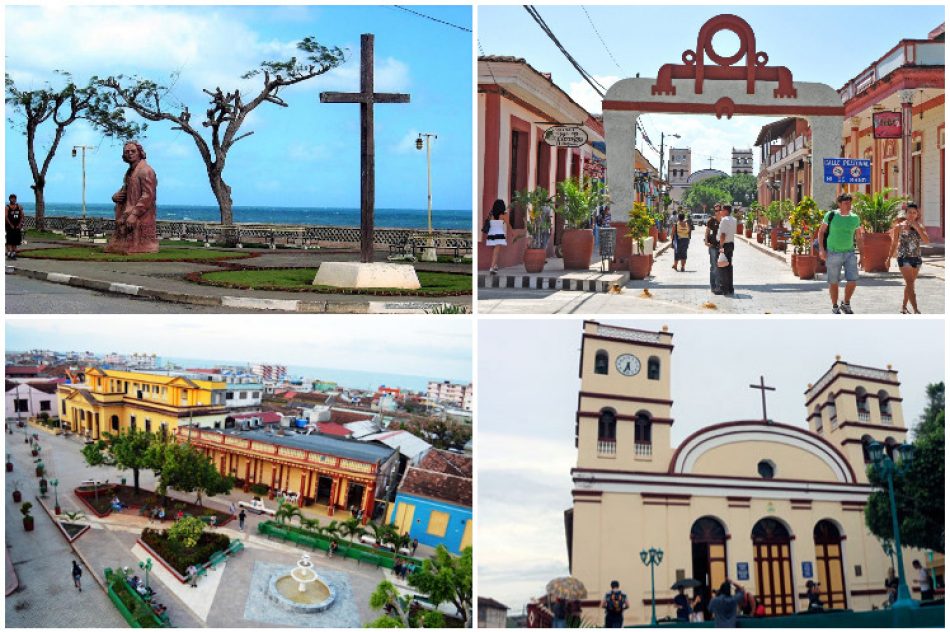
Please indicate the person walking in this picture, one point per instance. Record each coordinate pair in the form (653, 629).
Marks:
(77, 575)
(836, 241)
(614, 603)
(14, 226)
(682, 231)
(496, 232)
(814, 596)
(415, 545)
(905, 242)
(241, 518)
(725, 606)
(683, 607)
(712, 244)
(923, 581)
(231, 509)
(726, 236)
(890, 585)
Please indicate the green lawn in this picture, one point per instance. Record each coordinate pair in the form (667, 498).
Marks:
(89, 253)
(300, 279)
(42, 235)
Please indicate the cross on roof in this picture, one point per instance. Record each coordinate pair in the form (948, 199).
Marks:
(366, 98)
(762, 387)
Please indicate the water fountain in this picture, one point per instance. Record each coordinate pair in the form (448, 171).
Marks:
(301, 589)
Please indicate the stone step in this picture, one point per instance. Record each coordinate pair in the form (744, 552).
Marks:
(569, 281)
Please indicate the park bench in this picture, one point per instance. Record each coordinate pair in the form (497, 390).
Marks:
(401, 250)
(216, 558)
(369, 558)
(236, 546)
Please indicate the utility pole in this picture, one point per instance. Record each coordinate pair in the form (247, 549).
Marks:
(83, 232)
(663, 136)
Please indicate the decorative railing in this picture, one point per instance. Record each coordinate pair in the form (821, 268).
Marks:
(906, 53)
(864, 415)
(606, 448)
(642, 448)
(886, 419)
(628, 334)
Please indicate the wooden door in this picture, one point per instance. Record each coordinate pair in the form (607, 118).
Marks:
(404, 513)
(466, 535)
(830, 568)
(773, 567)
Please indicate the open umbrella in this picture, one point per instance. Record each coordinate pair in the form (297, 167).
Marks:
(686, 583)
(568, 588)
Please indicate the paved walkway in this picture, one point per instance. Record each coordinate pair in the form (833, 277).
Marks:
(164, 281)
(764, 284)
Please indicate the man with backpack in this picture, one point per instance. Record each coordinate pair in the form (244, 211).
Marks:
(615, 602)
(836, 241)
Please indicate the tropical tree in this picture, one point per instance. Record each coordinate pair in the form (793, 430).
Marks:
(286, 512)
(704, 195)
(60, 107)
(446, 578)
(227, 111)
(400, 611)
(187, 531)
(125, 451)
(186, 469)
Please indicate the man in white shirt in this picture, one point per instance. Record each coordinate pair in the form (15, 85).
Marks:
(726, 237)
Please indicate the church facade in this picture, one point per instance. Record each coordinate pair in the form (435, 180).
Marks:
(767, 504)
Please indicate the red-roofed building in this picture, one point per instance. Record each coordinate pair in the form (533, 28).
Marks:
(347, 416)
(261, 417)
(332, 428)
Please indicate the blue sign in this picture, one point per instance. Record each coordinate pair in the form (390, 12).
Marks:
(807, 571)
(742, 571)
(847, 171)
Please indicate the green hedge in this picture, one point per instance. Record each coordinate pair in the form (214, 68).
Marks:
(133, 608)
(357, 551)
(180, 557)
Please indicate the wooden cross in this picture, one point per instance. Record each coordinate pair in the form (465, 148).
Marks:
(366, 98)
(762, 387)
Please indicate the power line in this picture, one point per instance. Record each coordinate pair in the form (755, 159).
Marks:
(598, 88)
(596, 32)
(429, 17)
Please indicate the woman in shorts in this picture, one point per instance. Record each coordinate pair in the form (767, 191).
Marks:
(905, 241)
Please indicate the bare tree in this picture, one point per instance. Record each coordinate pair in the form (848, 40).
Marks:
(63, 106)
(227, 110)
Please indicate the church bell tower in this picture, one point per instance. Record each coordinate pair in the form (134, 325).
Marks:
(624, 405)
(852, 405)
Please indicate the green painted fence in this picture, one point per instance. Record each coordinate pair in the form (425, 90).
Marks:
(143, 617)
(354, 550)
(924, 617)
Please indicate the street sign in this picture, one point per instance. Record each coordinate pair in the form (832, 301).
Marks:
(565, 136)
(847, 171)
(742, 571)
(887, 125)
(807, 571)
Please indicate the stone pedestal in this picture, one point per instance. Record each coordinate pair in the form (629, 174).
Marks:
(428, 252)
(352, 275)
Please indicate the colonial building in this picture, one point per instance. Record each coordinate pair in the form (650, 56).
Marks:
(680, 166)
(30, 398)
(741, 161)
(322, 470)
(769, 504)
(119, 401)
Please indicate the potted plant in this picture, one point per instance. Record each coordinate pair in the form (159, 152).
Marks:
(804, 220)
(638, 229)
(877, 213)
(777, 212)
(537, 226)
(9, 463)
(17, 494)
(40, 468)
(577, 201)
(27, 518)
(750, 216)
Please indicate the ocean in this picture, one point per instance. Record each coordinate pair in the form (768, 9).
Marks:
(453, 219)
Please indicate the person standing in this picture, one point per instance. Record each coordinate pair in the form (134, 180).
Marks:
(725, 606)
(682, 230)
(231, 509)
(683, 608)
(905, 241)
(614, 603)
(890, 585)
(14, 225)
(497, 232)
(726, 236)
(923, 580)
(837, 251)
(77, 575)
(241, 518)
(415, 545)
(813, 596)
(712, 244)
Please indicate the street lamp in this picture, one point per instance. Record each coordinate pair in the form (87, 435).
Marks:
(82, 227)
(652, 558)
(886, 467)
(146, 566)
(428, 254)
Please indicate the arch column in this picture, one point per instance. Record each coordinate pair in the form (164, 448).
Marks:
(620, 127)
(907, 144)
(826, 143)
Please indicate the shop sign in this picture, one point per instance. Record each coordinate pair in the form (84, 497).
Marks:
(847, 171)
(565, 136)
(887, 125)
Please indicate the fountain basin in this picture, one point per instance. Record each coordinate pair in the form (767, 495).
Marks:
(284, 590)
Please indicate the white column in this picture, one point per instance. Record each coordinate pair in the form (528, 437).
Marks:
(619, 133)
(826, 143)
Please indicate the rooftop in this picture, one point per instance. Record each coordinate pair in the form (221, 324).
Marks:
(435, 485)
(346, 448)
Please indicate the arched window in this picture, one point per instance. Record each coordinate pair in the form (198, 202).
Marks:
(653, 368)
(833, 410)
(889, 446)
(642, 428)
(601, 362)
(115, 423)
(607, 425)
(861, 396)
(884, 406)
(865, 442)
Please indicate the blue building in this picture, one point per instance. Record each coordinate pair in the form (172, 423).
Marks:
(434, 501)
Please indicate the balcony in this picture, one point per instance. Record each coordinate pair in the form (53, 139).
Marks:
(886, 419)
(642, 449)
(906, 53)
(864, 415)
(793, 146)
(607, 448)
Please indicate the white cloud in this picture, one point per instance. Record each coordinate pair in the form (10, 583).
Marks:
(305, 152)
(583, 93)
(406, 144)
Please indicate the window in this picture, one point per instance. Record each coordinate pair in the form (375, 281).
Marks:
(132, 423)
(257, 395)
(643, 432)
(438, 523)
(21, 406)
(229, 396)
(766, 469)
(148, 425)
(64, 408)
(861, 397)
(607, 425)
(884, 403)
(865, 442)
(115, 423)
(653, 368)
(601, 362)
(46, 406)
(243, 395)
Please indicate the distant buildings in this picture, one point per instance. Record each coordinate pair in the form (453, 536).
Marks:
(680, 166)
(270, 372)
(491, 613)
(459, 395)
(30, 398)
(741, 161)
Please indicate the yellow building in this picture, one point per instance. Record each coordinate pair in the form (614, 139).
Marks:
(119, 401)
(767, 504)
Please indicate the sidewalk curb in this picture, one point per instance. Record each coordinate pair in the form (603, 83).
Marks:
(419, 305)
(76, 551)
(775, 254)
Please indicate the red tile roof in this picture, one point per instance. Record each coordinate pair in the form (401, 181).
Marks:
(445, 487)
(447, 463)
(347, 416)
(331, 428)
(265, 417)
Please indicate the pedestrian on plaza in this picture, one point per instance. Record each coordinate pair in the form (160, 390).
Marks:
(905, 242)
(241, 518)
(725, 606)
(683, 605)
(332, 548)
(836, 241)
(682, 230)
(161, 514)
(614, 603)
(414, 546)
(814, 596)
(923, 580)
(726, 236)
(890, 585)
(14, 225)
(496, 232)
(232, 509)
(213, 522)
(77, 575)
(192, 573)
(712, 244)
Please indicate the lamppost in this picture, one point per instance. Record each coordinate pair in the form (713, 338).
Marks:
(146, 566)
(428, 254)
(82, 226)
(55, 484)
(652, 557)
(886, 467)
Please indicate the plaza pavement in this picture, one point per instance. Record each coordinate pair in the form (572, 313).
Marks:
(164, 281)
(764, 285)
(111, 542)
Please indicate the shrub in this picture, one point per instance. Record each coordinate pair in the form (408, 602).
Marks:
(186, 531)
(180, 557)
(259, 489)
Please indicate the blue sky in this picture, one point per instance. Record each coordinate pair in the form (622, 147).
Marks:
(304, 155)
(820, 44)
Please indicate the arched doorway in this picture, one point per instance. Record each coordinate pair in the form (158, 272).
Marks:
(830, 565)
(771, 547)
(708, 537)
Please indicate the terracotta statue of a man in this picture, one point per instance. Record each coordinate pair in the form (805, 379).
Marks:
(135, 208)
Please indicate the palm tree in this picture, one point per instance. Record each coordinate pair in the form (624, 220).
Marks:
(286, 512)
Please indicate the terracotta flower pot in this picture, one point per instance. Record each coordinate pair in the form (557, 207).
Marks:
(17, 495)
(748, 233)
(577, 246)
(34, 452)
(27, 523)
(639, 266)
(39, 472)
(874, 254)
(58, 510)
(760, 237)
(534, 260)
(795, 264)
(807, 266)
(9, 467)
(662, 235)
